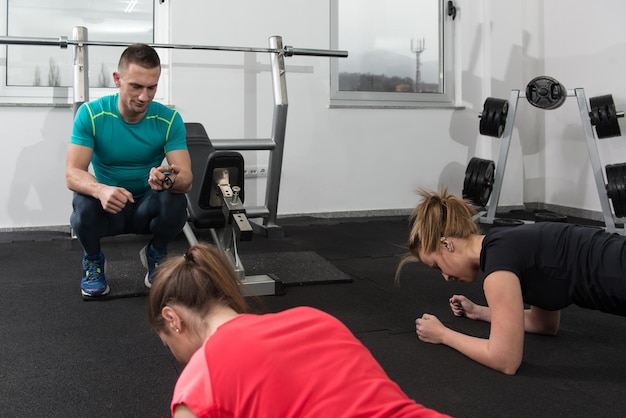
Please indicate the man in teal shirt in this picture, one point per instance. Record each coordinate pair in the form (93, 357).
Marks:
(141, 168)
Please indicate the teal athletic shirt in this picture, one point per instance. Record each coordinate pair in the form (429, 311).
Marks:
(123, 153)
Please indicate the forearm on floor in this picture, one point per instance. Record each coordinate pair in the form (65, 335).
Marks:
(482, 351)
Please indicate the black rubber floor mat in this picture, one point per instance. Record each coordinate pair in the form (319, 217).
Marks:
(294, 268)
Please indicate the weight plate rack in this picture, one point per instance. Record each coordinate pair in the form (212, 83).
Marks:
(483, 182)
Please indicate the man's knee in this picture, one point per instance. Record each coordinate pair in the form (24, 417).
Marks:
(173, 205)
(162, 213)
(86, 210)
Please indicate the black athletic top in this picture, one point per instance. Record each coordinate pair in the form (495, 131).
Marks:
(559, 264)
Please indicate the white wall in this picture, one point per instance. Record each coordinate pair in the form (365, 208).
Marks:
(340, 160)
(34, 141)
(585, 47)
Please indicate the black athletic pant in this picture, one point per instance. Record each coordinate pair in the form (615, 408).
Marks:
(162, 214)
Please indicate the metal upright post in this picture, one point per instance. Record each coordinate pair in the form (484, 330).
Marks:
(504, 152)
(81, 67)
(278, 136)
(594, 159)
(81, 73)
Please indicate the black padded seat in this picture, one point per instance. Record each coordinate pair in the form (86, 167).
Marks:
(203, 213)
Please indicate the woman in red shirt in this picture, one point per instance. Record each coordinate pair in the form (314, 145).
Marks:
(297, 363)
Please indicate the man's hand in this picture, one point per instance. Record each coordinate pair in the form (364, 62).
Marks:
(163, 178)
(114, 199)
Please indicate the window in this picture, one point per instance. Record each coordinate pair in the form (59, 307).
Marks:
(44, 74)
(400, 53)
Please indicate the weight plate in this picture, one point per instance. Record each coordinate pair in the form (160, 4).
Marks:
(485, 125)
(470, 179)
(507, 222)
(493, 117)
(545, 93)
(478, 182)
(485, 181)
(619, 200)
(469, 185)
(604, 116)
(611, 187)
(594, 115)
(500, 118)
(621, 190)
(550, 217)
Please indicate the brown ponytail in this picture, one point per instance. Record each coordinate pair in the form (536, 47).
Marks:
(197, 280)
(438, 215)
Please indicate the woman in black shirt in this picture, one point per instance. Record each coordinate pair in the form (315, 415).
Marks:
(545, 265)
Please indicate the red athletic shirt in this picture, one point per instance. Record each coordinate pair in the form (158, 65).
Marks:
(297, 363)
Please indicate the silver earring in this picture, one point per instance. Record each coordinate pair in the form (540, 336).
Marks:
(177, 330)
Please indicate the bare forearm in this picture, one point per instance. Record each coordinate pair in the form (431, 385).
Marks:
(183, 181)
(532, 323)
(504, 348)
(83, 182)
(182, 175)
(482, 351)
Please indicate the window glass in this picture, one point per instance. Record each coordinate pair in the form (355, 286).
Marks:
(398, 52)
(52, 67)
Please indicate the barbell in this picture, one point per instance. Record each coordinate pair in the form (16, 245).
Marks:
(63, 42)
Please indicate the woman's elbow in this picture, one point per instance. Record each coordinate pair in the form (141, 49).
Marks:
(510, 370)
(508, 364)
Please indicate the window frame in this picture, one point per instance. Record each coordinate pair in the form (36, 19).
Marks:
(64, 95)
(368, 99)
